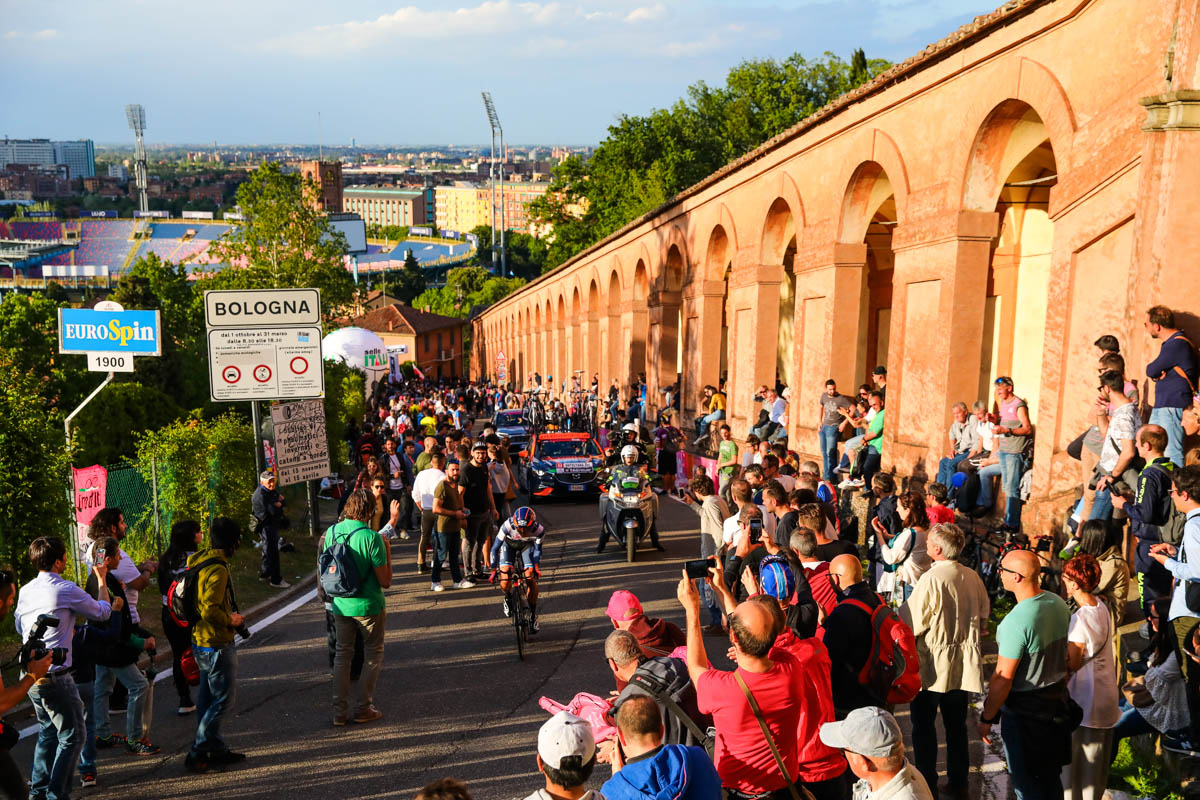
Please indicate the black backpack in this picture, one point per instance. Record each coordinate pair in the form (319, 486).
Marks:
(181, 595)
(670, 688)
(339, 572)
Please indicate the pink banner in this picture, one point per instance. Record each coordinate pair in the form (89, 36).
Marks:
(91, 489)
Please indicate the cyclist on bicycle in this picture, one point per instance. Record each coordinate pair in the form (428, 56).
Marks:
(521, 526)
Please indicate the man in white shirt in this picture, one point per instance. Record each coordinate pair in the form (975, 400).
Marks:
(55, 698)
(111, 522)
(393, 467)
(424, 484)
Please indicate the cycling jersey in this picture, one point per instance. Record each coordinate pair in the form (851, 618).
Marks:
(502, 554)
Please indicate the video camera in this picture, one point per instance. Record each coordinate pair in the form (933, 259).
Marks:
(35, 646)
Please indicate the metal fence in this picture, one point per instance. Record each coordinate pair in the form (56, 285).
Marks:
(129, 491)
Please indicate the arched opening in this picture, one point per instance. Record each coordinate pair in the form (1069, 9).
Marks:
(592, 345)
(640, 323)
(720, 263)
(614, 339)
(779, 247)
(562, 369)
(1012, 172)
(869, 217)
(538, 363)
(577, 325)
(671, 350)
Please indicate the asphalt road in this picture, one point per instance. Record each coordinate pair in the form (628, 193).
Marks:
(457, 701)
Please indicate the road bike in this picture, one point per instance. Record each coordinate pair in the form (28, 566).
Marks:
(517, 596)
(983, 552)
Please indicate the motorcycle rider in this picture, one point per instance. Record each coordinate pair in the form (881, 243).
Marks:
(633, 466)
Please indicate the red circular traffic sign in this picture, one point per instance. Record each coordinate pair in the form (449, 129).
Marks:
(262, 373)
(231, 374)
(303, 365)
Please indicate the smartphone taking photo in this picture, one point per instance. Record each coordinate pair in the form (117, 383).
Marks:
(698, 568)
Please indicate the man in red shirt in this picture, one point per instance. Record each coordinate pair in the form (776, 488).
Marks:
(775, 680)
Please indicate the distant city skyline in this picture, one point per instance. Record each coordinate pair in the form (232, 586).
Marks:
(387, 73)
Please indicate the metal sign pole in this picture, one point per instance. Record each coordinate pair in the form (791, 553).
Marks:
(71, 473)
(258, 443)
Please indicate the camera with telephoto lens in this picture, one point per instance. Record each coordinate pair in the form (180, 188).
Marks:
(35, 648)
(243, 630)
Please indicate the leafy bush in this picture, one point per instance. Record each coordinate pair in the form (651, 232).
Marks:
(33, 466)
(205, 468)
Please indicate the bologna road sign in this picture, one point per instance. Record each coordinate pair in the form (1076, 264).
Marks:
(280, 363)
(236, 308)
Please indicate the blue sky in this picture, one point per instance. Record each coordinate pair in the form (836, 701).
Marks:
(408, 71)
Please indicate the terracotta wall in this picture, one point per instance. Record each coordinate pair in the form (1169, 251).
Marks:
(990, 207)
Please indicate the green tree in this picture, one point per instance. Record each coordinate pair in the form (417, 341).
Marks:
(105, 431)
(33, 465)
(29, 336)
(285, 242)
(527, 255)
(411, 281)
(647, 160)
(467, 287)
(345, 400)
(181, 372)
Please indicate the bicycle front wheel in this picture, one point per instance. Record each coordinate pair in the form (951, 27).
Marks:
(521, 621)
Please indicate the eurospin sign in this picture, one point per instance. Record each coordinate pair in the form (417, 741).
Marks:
(86, 330)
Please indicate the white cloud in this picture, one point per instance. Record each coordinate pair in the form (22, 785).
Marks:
(411, 23)
(33, 36)
(647, 13)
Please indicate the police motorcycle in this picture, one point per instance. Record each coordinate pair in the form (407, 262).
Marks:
(628, 504)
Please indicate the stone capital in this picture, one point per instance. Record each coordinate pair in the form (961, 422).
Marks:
(1178, 110)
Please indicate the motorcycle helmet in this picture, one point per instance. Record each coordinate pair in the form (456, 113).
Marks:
(629, 427)
(629, 451)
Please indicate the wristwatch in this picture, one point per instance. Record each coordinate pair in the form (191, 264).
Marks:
(991, 721)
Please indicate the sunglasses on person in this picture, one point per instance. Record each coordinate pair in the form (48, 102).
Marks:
(1003, 568)
(1004, 380)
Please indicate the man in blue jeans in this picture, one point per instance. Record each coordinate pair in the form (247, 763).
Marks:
(963, 438)
(1174, 373)
(1013, 431)
(212, 645)
(55, 700)
(832, 425)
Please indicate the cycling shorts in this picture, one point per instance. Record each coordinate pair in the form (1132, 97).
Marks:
(529, 556)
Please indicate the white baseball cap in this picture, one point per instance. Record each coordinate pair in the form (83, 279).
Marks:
(868, 731)
(565, 735)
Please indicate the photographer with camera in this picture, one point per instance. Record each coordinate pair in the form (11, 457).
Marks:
(212, 645)
(12, 783)
(119, 661)
(45, 620)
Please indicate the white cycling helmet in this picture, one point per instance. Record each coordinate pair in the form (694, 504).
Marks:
(629, 451)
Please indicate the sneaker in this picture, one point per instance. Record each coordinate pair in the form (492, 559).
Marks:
(185, 710)
(226, 757)
(195, 763)
(339, 722)
(436, 587)
(281, 585)
(533, 625)
(1181, 745)
(421, 568)
(507, 610)
(465, 584)
(87, 779)
(141, 747)
(404, 536)
(112, 740)
(369, 714)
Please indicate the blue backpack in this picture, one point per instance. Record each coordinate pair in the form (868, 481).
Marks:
(338, 570)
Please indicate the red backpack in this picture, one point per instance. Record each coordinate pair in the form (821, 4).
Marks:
(892, 671)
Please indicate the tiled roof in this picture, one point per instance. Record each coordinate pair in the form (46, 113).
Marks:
(404, 319)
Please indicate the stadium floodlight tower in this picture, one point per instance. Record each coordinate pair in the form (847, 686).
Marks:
(137, 123)
(497, 133)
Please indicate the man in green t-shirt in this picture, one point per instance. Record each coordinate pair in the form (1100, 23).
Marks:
(363, 614)
(727, 458)
(1030, 681)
